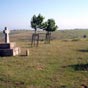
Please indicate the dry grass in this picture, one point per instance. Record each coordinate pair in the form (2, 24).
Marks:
(61, 64)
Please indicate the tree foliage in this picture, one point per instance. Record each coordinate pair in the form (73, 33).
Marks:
(49, 26)
(36, 21)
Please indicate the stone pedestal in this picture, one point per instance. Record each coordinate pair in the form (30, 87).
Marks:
(9, 49)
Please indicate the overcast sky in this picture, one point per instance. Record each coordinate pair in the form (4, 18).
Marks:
(16, 14)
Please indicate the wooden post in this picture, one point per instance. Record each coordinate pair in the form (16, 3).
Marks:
(35, 40)
(48, 38)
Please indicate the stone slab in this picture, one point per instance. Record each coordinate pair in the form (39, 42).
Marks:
(16, 51)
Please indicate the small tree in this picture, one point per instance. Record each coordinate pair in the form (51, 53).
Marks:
(36, 21)
(49, 27)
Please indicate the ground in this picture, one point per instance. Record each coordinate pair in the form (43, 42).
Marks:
(61, 64)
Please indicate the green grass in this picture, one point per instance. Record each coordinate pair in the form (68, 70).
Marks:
(61, 64)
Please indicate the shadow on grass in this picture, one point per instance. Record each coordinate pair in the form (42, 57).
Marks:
(82, 50)
(79, 67)
(63, 86)
(23, 55)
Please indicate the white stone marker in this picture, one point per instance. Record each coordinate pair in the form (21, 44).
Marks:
(6, 32)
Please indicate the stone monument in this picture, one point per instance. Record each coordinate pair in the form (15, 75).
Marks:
(6, 32)
(8, 48)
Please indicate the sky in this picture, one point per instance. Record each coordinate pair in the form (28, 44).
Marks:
(68, 14)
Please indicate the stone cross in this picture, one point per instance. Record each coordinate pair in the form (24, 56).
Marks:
(6, 32)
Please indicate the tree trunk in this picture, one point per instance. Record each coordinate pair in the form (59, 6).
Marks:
(35, 30)
(48, 37)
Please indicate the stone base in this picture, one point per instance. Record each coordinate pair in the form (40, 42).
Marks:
(9, 52)
(7, 45)
(9, 49)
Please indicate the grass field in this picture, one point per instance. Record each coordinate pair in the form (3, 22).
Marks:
(61, 64)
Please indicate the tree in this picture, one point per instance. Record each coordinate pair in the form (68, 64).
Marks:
(36, 22)
(49, 26)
